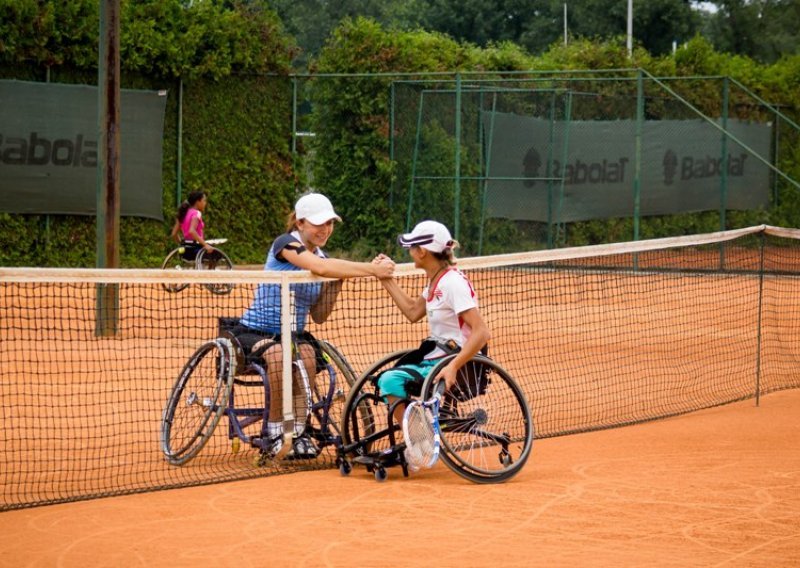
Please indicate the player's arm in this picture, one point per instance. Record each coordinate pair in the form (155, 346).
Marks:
(327, 298)
(479, 337)
(412, 308)
(174, 234)
(335, 267)
(196, 236)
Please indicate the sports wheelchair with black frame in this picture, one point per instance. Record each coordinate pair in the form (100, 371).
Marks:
(486, 427)
(191, 256)
(209, 385)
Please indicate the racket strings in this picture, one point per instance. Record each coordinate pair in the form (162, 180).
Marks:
(421, 447)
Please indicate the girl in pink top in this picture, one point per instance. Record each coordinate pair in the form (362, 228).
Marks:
(189, 221)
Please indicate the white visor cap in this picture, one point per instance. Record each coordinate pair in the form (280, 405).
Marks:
(430, 235)
(315, 208)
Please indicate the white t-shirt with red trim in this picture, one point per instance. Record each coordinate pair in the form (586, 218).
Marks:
(452, 295)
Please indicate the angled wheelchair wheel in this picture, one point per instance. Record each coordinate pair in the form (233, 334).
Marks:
(329, 389)
(197, 401)
(486, 423)
(365, 422)
(175, 261)
(217, 260)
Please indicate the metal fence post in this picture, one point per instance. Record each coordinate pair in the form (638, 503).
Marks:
(457, 196)
(179, 141)
(723, 166)
(637, 168)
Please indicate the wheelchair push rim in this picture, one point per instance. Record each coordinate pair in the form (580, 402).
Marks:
(486, 426)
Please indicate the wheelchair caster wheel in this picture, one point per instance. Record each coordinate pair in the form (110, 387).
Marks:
(236, 444)
(345, 468)
(381, 475)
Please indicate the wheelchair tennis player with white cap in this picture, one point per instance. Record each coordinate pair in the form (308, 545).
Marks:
(308, 229)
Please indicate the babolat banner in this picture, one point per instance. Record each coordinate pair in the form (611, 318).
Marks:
(590, 168)
(49, 154)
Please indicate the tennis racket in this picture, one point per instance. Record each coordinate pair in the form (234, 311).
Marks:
(421, 430)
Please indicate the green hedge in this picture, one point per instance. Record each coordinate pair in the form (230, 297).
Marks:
(236, 119)
(234, 61)
(352, 119)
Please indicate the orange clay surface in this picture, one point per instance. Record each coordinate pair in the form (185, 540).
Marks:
(719, 487)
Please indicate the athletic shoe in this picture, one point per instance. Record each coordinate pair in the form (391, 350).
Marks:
(302, 449)
(274, 447)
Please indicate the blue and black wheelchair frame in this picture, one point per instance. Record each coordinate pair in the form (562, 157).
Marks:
(219, 379)
(486, 424)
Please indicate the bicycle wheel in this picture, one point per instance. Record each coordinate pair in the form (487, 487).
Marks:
(329, 389)
(197, 401)
(365, 421)
(175, 261)
(217, 260)
(486, 424)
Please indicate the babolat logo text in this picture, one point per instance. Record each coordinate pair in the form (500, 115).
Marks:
(580, 172)
(37, 150)
(709, 166)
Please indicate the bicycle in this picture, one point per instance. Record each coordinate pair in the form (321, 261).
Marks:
(207, 386)
(191, 256)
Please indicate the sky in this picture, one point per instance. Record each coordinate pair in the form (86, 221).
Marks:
(707, 6)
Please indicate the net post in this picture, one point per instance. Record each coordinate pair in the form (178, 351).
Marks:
(286, 364)
(106, 309)
(760, 309)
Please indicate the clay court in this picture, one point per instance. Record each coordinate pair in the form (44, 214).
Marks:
(593, 349)
(719, 487)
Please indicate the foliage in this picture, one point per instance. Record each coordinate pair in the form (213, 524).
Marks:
(764, 30)
(234, 130)
(163, 38)
(351, 118)
(237, 121)
(532, 24)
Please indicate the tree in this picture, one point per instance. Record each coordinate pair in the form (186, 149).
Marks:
(762, 29)
(312, 21)
(656, 23)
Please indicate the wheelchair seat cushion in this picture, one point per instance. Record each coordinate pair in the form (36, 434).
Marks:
(253, 343)
(246, 339)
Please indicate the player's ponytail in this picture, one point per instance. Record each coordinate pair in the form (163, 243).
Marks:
(183, 209)
(447, 255)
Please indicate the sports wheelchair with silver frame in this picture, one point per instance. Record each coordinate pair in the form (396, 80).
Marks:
(486, 424)
(207, 387)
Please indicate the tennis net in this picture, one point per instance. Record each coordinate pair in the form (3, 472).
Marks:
(598, 337)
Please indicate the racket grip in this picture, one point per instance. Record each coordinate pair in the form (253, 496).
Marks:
(439, 389)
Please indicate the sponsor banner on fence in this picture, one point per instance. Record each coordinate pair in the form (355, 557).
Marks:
(681, 168)
(49, 154)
